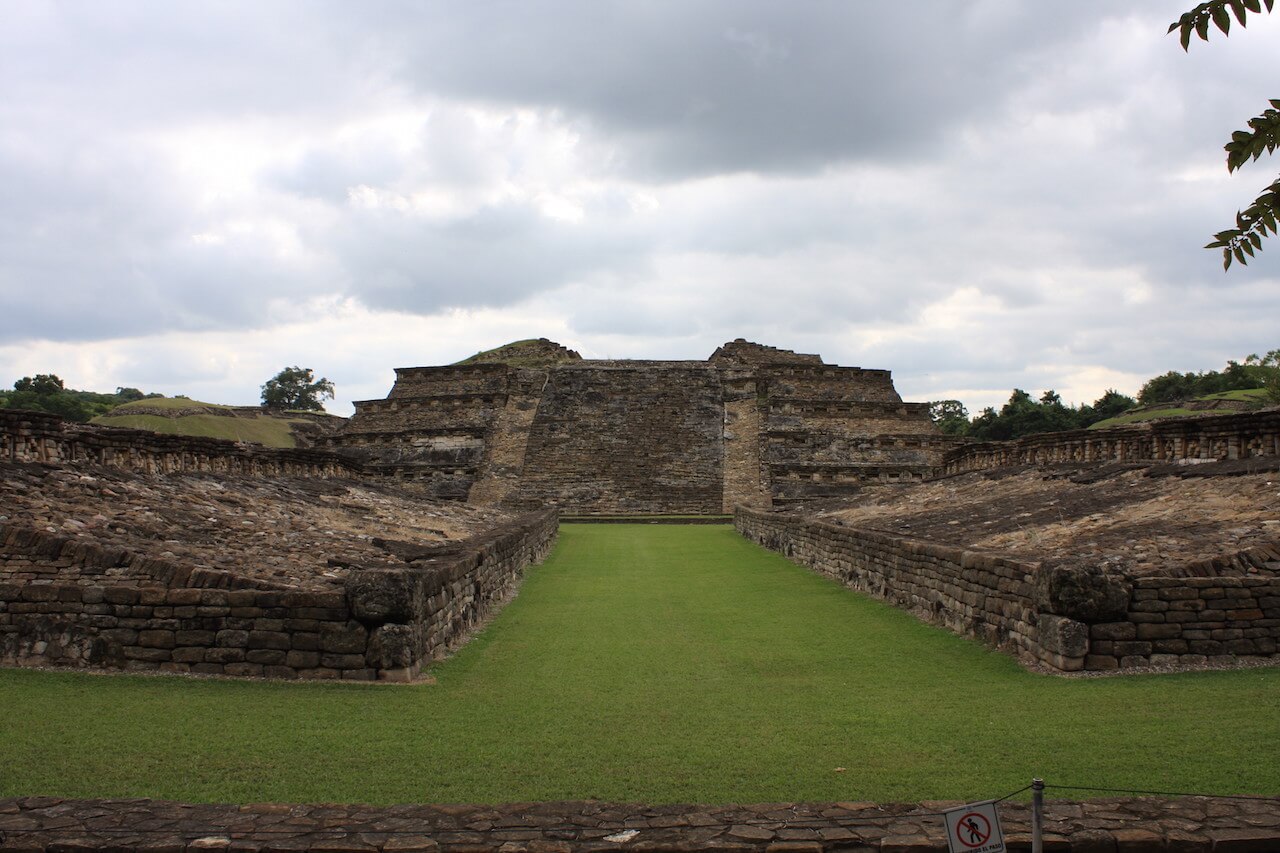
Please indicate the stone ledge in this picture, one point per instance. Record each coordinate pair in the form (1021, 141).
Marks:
(1139, 823)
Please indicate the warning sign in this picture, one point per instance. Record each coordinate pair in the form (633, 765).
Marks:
(974, 828)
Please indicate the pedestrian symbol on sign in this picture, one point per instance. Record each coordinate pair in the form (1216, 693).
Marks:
(974, 828)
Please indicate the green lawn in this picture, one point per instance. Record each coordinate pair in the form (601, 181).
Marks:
(653, 663)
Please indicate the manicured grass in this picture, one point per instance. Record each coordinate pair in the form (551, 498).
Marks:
(653, 663)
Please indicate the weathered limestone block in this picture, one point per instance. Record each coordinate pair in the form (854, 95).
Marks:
(1063, 636)
(393, 647)
(1083, 594)
(379, 596)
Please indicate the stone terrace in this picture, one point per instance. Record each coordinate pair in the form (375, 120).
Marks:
(1143, 519)
(295, 533)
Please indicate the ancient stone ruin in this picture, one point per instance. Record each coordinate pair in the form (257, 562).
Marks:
(375, 554)
(752, 425)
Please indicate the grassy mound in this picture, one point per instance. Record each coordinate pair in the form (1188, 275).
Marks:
(654, 664)
(181, 416)
(531, 352)
(1221, 403)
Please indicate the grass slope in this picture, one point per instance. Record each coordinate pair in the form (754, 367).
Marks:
(270, 429)
(653, 663)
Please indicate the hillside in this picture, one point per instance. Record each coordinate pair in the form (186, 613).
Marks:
(1221, 403)
(181, 416)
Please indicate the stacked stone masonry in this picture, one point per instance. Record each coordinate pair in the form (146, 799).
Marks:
(1246, 435)
(41, 437)
(1114, 825)
(752, 425)
(58, 607)
(1218, 612)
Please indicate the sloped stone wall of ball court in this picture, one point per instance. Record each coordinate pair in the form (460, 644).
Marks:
(1220, 611)
(67, 601)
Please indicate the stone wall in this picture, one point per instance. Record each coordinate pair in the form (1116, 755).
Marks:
(68, 602)
(627, 440)
(1194, 439)
(751, 425)
(1218, 611)
(27, 436)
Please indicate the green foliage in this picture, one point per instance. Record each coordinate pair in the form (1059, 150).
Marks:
(1024, 415)
(296, 388)
(1255, 372)
(45, 392)
(951, 416)
(660, 664)
(1258, 220)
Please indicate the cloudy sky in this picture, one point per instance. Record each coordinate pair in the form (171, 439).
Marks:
(976, 195)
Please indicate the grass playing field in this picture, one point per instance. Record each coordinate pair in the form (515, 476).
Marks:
(653, 663)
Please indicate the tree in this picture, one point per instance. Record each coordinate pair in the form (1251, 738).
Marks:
(951, 416)
(129, 395)
(41, 383)
(296, 388)
(1258, 220)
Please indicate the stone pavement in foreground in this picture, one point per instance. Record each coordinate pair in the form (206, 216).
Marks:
(1119, 824)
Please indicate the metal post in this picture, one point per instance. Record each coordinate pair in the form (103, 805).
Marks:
(1037, 816)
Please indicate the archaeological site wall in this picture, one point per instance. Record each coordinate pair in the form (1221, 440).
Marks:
(751, 425)
(27, 436)
(1217, 611)
(68, 602)
(1211, 438)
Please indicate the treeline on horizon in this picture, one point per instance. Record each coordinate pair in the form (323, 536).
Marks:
(45, 392)
(1025, 415)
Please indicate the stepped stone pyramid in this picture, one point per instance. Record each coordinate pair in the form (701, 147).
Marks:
(534, 423)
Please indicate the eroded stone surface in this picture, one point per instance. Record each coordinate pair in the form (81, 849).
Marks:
(305, 533)
(1187, 824)
(1129, 520)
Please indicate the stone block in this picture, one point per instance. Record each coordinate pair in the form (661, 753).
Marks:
(306, 641)
(1159, 631)
(243, 669)
(233, 638)
(195, 638)
(1085, 594)
(221, 654)
(188, 654)
(392, 647)
(267, 657)
(344, 639)
(1100, 662)
(156, 639)
(1062, 636)
(268, 640)
(302, 659)
(140, 653)
(379, 596)
(183, 596)
(1113, 631)
(339, 661)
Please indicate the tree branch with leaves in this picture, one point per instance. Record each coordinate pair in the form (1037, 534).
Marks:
(1259, 219)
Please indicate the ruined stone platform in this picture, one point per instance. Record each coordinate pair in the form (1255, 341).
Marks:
(1188, 824)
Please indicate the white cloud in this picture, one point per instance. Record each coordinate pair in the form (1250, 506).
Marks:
(197, 197)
